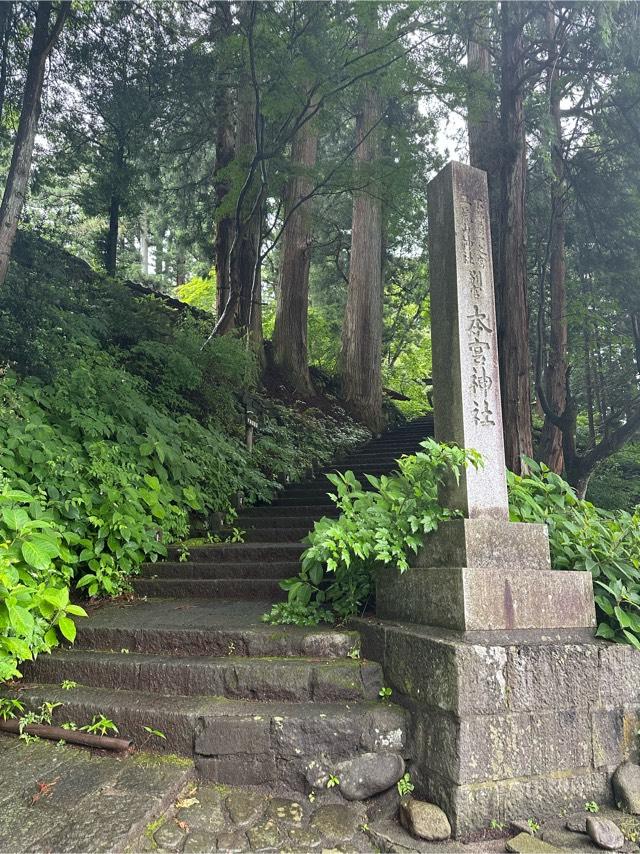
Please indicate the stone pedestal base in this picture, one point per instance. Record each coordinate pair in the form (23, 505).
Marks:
(479, 599)
(486, 574)
(510, 725)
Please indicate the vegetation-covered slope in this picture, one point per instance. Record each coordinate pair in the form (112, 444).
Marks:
(117, 428)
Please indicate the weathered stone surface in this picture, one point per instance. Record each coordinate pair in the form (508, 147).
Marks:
(233, 735)
(605, 833)
(264, 835)
(472, 599)
(427, 821)
(524, 843)
(169, 837)
(384, 806)
(369, 774)
(245, 806)
(466, 382)
(245, 768)
(626, 787)
(304, 839)
(316, 774)
(336, 822)
(568, 840)
(285, 811)
(577, 822)
(486, 542)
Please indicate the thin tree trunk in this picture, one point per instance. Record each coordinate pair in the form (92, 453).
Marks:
(158, 265)
(6, 13)
(111, 250)
(586, 343)
(556, 369)
(362, 328)
(18, 177)
(224, 156)
(635, 328)
(290, 331)
(144, 244)
(511, 269)
(245, 279)
(180, 266)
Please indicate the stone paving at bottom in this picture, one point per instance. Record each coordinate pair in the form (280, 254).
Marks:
(57, 798)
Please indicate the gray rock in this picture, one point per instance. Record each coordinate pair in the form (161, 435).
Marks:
(285, 811)
(427, 821)
(369, 774)
(336, 822)
(384, 806)
(524, 843)
(626, 787)
(169, 837)
(605, 833)
(231, 840)
(264, 835)
(245, 806)
(316, 774)
(577, 822)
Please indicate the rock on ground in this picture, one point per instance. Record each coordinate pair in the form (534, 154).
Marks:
(605, 833)
(626, 787)
(424, 820)
(369, 774)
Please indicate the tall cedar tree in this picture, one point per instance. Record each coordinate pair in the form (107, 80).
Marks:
(362, 327)
(18, 177)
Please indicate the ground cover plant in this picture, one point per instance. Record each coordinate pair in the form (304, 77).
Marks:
(118, 430)
(385, 526)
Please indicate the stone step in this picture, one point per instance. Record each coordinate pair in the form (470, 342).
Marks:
(184, 627)
(234, 741)
(267, 589)
(239, 552)
(277, 519)
(274, 534)
(312, 511)
(167, 569)
(294, 680)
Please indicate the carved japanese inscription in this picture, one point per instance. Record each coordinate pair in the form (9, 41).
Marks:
(465, 350)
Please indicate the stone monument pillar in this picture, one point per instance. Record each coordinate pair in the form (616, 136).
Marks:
(478, 572)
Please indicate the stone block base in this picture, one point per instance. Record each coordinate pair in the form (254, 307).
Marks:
(509, 725)
(486, 598)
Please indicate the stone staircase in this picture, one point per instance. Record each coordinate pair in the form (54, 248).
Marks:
(252, 703)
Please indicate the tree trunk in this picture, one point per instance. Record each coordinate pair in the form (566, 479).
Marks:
(362, 328)
(556, 369)
(224, 156)
(511, 268)
(290, 331)
(181, 274)
(245, 279)
(144, 244)
(111, 250)
(158, 265)
(635, 328)
(6, 13)
(18, 177)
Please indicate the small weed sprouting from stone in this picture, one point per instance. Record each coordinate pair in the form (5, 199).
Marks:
(385, 693)
(68, 684)
(100, 725)
(405, 786)
(332, 781)
(533, 825)
(591, 806)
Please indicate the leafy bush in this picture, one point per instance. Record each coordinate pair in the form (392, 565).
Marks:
(381, 526)
(36, 562)
(117, 430)
(386, 525)
(582, 536)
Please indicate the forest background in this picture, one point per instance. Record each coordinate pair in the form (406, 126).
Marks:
(212, 207)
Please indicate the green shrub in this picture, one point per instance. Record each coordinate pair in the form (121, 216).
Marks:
(386, 525)
(381, 526)
(582, 536)
(36, 563)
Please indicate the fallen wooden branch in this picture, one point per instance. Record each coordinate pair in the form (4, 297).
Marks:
(56, 733)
